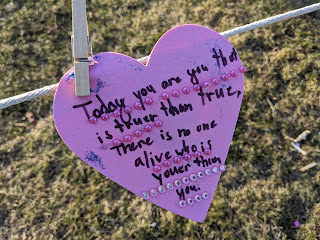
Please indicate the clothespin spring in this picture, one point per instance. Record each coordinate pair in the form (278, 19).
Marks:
(90, 58)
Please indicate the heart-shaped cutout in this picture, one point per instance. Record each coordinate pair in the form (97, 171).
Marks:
(163, 130)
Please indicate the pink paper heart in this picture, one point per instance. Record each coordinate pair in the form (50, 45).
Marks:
(201, 120)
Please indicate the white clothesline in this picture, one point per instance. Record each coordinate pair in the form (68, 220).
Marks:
(251, 26)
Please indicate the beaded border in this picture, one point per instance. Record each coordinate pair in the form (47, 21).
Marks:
(178, 183)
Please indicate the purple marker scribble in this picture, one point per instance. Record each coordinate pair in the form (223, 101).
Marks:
(95, 159)
(70, 78)
(100, 85)
(119, 60)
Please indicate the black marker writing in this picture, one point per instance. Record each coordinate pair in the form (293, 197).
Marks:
(168, 138)
(188, 189)
(193, 74)
(131, 147)
(173, 110)
(142, 93)
(168, 83)
(83, 105)
(171, 172)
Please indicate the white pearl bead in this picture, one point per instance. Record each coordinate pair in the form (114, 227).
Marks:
(193, 177)
(205, 195)
(145, 195)
(153, 192)
(190, 201)
(177, 183)
(207, 172)
(161, 189)
(169, 186)
(215, 169)
(185, 180)
(200, 174)
(197, 198)
(182, 203)
(223, 167)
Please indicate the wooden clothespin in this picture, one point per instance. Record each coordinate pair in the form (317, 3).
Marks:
(81, 47)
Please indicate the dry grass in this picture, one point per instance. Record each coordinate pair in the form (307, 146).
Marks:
(46, 192)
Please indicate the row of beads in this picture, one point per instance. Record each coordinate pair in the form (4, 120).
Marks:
(206, 84)
(185, 180)
(191, 201)
(137, 133)
(177, 159)
(175, 93)
(116, 113)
